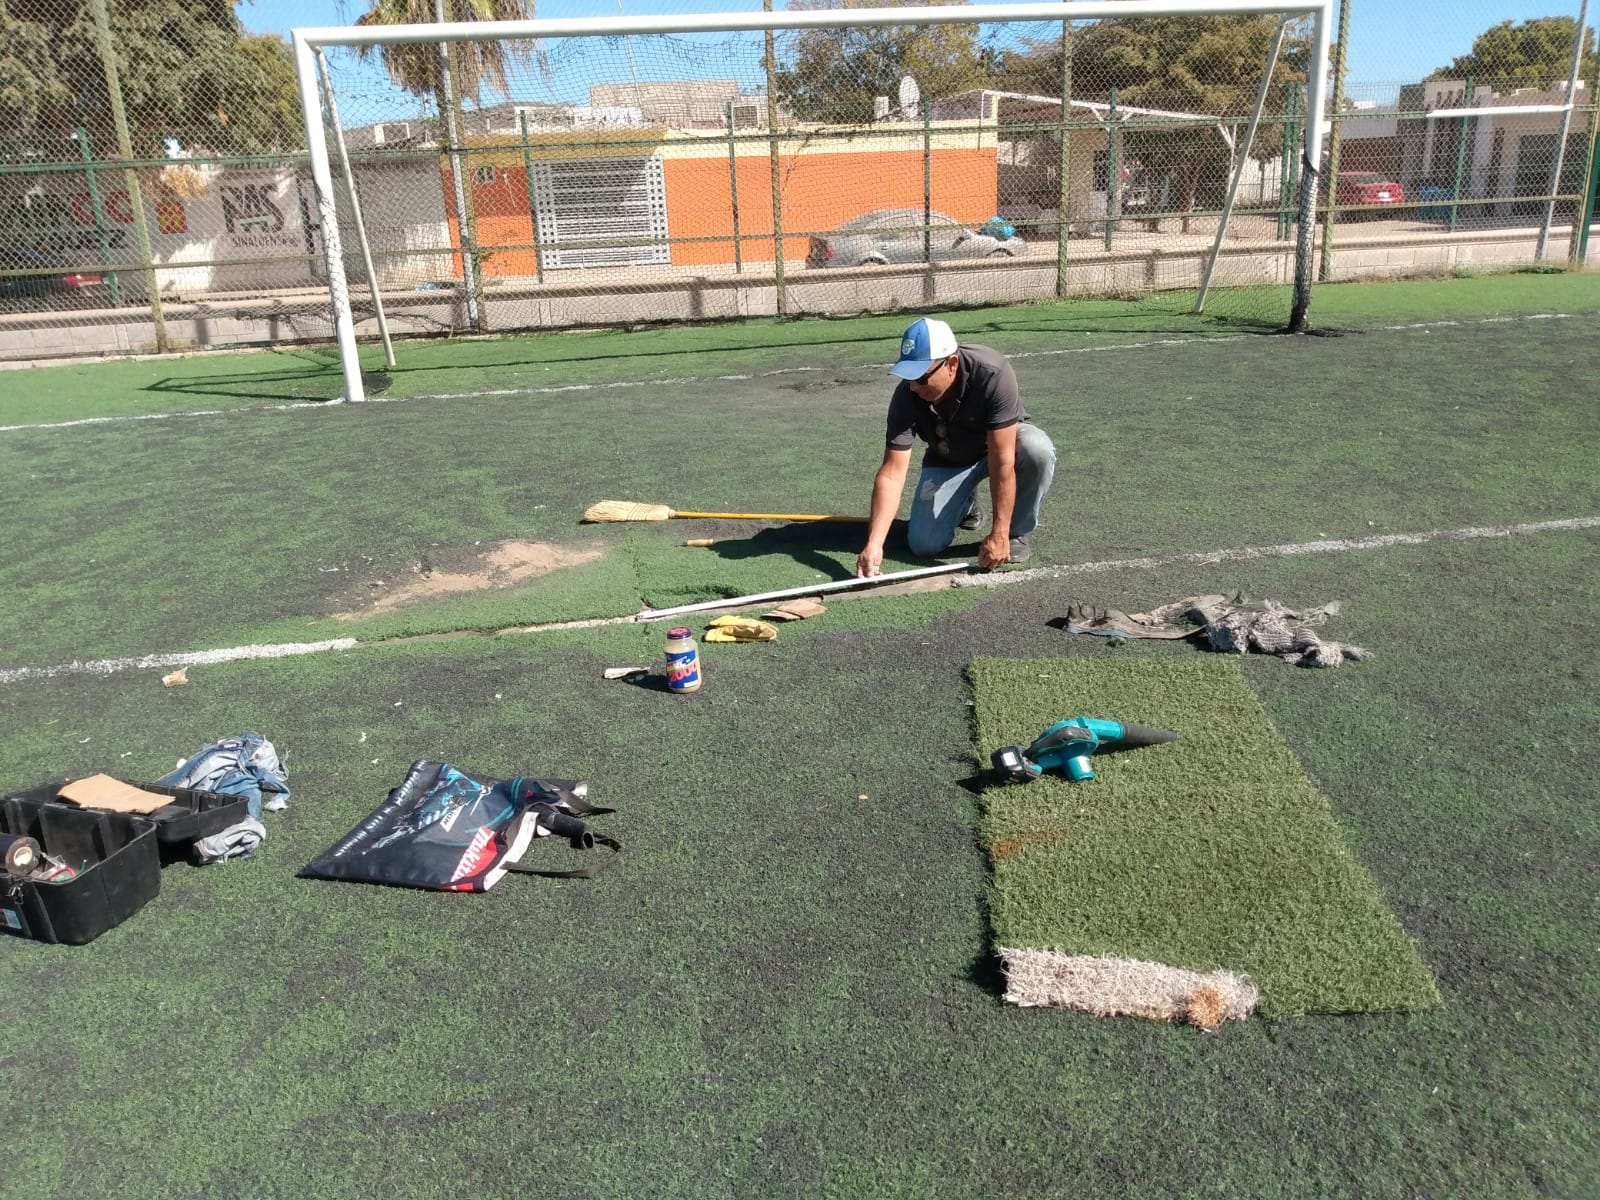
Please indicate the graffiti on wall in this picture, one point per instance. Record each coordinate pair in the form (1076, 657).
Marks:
(64, 223)
(239, 229)
(253, 215)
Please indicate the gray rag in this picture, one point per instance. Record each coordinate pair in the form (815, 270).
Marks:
(236, 841)
(1230, 625)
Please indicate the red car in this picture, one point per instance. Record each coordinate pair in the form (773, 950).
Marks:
(63, 288)
(1367, 189)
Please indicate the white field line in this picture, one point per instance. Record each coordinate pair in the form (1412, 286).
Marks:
(302, 405)
(110, 666)
(1284, 550)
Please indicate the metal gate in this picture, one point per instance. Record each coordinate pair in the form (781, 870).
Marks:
(617, 204)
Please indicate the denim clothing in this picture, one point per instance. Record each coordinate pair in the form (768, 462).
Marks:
(944, 493)
(245, 765)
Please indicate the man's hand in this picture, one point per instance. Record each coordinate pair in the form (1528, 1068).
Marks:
(869, 562)
(994, 550)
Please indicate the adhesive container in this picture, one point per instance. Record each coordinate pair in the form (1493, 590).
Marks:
(683, 660)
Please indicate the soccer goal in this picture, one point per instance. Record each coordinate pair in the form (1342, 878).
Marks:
(491, 176)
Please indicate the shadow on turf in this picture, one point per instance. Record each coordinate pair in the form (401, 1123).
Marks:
(984, 971)
(321, 380)
(816, 542)
(650, 681)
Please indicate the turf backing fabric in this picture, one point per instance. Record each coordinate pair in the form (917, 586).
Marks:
(1184, 877)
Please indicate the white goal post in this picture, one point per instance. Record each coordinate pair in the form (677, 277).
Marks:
(309, 42)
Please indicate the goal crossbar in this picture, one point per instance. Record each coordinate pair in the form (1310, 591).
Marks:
(307, 41)
(746, 22)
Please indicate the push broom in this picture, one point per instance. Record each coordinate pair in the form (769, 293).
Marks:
(634, 510)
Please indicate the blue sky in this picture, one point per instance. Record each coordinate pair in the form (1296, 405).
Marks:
(1391, 41)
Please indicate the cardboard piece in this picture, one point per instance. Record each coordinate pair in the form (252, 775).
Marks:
(797, 609)
(102, 791)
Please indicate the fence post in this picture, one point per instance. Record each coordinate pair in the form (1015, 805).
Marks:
(927, 181)
(771, 65)
(533, 209)
(82, 135)
(1335, 139)
(1461, 157)
(119, 118)
(1561, 139)
(1301, 116)
(1113, 184)
(733, 193)
(1283, 168)
(1580, 252)
(1578, 245)
(465, 224)
(1293, 135)
(1064, 185)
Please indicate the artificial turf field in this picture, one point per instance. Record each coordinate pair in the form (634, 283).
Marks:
(784, 988)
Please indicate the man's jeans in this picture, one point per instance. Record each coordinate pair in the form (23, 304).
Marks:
(944, 494)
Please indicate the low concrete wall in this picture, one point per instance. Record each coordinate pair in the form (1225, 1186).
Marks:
(621, 297)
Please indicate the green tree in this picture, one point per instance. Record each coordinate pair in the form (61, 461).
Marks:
(833, 75)
(1536, 52)
(189, 72)
(1209, 66)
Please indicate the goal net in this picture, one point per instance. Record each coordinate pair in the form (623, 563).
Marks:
(822, 160)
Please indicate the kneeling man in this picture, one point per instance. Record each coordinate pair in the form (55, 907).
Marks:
(963, 402)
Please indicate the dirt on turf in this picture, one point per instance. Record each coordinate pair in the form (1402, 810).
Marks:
(453, 572)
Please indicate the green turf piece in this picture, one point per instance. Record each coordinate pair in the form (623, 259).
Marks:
(1216, 851)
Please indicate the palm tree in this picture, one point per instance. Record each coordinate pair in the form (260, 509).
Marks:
(418, 68)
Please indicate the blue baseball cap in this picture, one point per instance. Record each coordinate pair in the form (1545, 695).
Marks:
(926, 344)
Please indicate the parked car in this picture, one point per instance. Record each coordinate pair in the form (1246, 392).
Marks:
(1146, 191)
(1367, 189)
(895, 235)
(64, 287)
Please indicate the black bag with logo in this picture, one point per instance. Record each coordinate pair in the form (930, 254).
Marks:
(448, 830)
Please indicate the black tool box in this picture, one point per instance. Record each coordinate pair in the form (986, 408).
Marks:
(192, 814)
(116, 857)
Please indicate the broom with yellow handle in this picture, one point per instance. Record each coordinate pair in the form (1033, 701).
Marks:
(634, 510)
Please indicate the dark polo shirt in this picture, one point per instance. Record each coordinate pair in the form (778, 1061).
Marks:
(984, 397)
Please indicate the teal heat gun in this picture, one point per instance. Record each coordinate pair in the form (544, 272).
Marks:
(1069, 745)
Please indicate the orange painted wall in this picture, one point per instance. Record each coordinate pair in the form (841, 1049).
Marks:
(819, 192)
(503, 220)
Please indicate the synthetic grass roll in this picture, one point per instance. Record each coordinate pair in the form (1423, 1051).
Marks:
(1214, 853)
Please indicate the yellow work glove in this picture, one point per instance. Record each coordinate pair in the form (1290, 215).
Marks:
(740, 629)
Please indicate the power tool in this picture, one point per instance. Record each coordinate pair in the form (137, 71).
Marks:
(1069, 745)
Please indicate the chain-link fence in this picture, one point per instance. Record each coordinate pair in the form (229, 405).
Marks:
(155, 192)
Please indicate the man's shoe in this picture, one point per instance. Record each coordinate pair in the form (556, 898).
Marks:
(1019, 550)
(973, 519)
